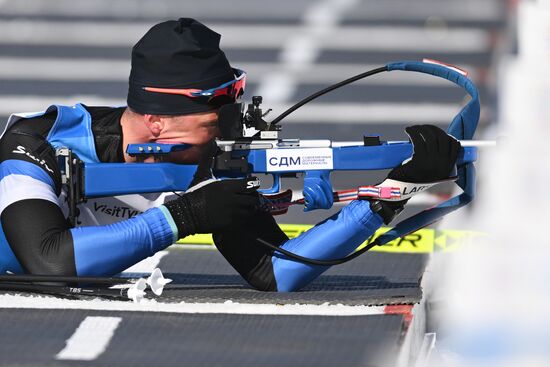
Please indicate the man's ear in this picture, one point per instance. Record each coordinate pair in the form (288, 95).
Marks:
(154, 123)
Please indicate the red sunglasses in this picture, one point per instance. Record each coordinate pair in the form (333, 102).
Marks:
(233, 88)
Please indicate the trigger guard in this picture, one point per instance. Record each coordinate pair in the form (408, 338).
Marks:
(275, 188)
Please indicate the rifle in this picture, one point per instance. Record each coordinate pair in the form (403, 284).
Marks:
(250, 145)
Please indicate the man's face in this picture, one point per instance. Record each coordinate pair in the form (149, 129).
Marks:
(196, 129)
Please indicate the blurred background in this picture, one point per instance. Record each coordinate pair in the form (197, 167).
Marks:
(65, 51)
(68, 51)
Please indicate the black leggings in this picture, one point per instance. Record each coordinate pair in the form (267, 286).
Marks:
(249, 258)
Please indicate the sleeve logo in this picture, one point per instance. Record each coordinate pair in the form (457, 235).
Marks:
(22, 150)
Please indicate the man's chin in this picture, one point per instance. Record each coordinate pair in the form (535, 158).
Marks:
(168, 141)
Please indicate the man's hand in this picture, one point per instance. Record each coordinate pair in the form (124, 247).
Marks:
(216, 206)
(434, 156)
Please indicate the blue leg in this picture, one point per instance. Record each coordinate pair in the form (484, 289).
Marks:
(107, 250)
(333, 238)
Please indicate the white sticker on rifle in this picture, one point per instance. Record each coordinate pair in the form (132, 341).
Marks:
(298, 159)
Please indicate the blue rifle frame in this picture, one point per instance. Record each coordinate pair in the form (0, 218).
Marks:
(109, 179)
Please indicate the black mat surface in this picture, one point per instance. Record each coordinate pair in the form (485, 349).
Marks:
(34, 337)
(371, 279)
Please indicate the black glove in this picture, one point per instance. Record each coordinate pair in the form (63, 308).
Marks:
(434, 156)
(217, 206)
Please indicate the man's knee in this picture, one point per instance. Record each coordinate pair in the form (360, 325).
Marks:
(262, 277)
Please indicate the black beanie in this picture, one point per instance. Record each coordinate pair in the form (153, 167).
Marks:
(176, 54)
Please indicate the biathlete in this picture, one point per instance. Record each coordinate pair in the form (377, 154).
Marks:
(179, 78)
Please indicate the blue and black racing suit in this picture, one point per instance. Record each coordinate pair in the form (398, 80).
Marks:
(115, 233)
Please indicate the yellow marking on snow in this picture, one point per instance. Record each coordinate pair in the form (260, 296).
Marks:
(423, 241)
